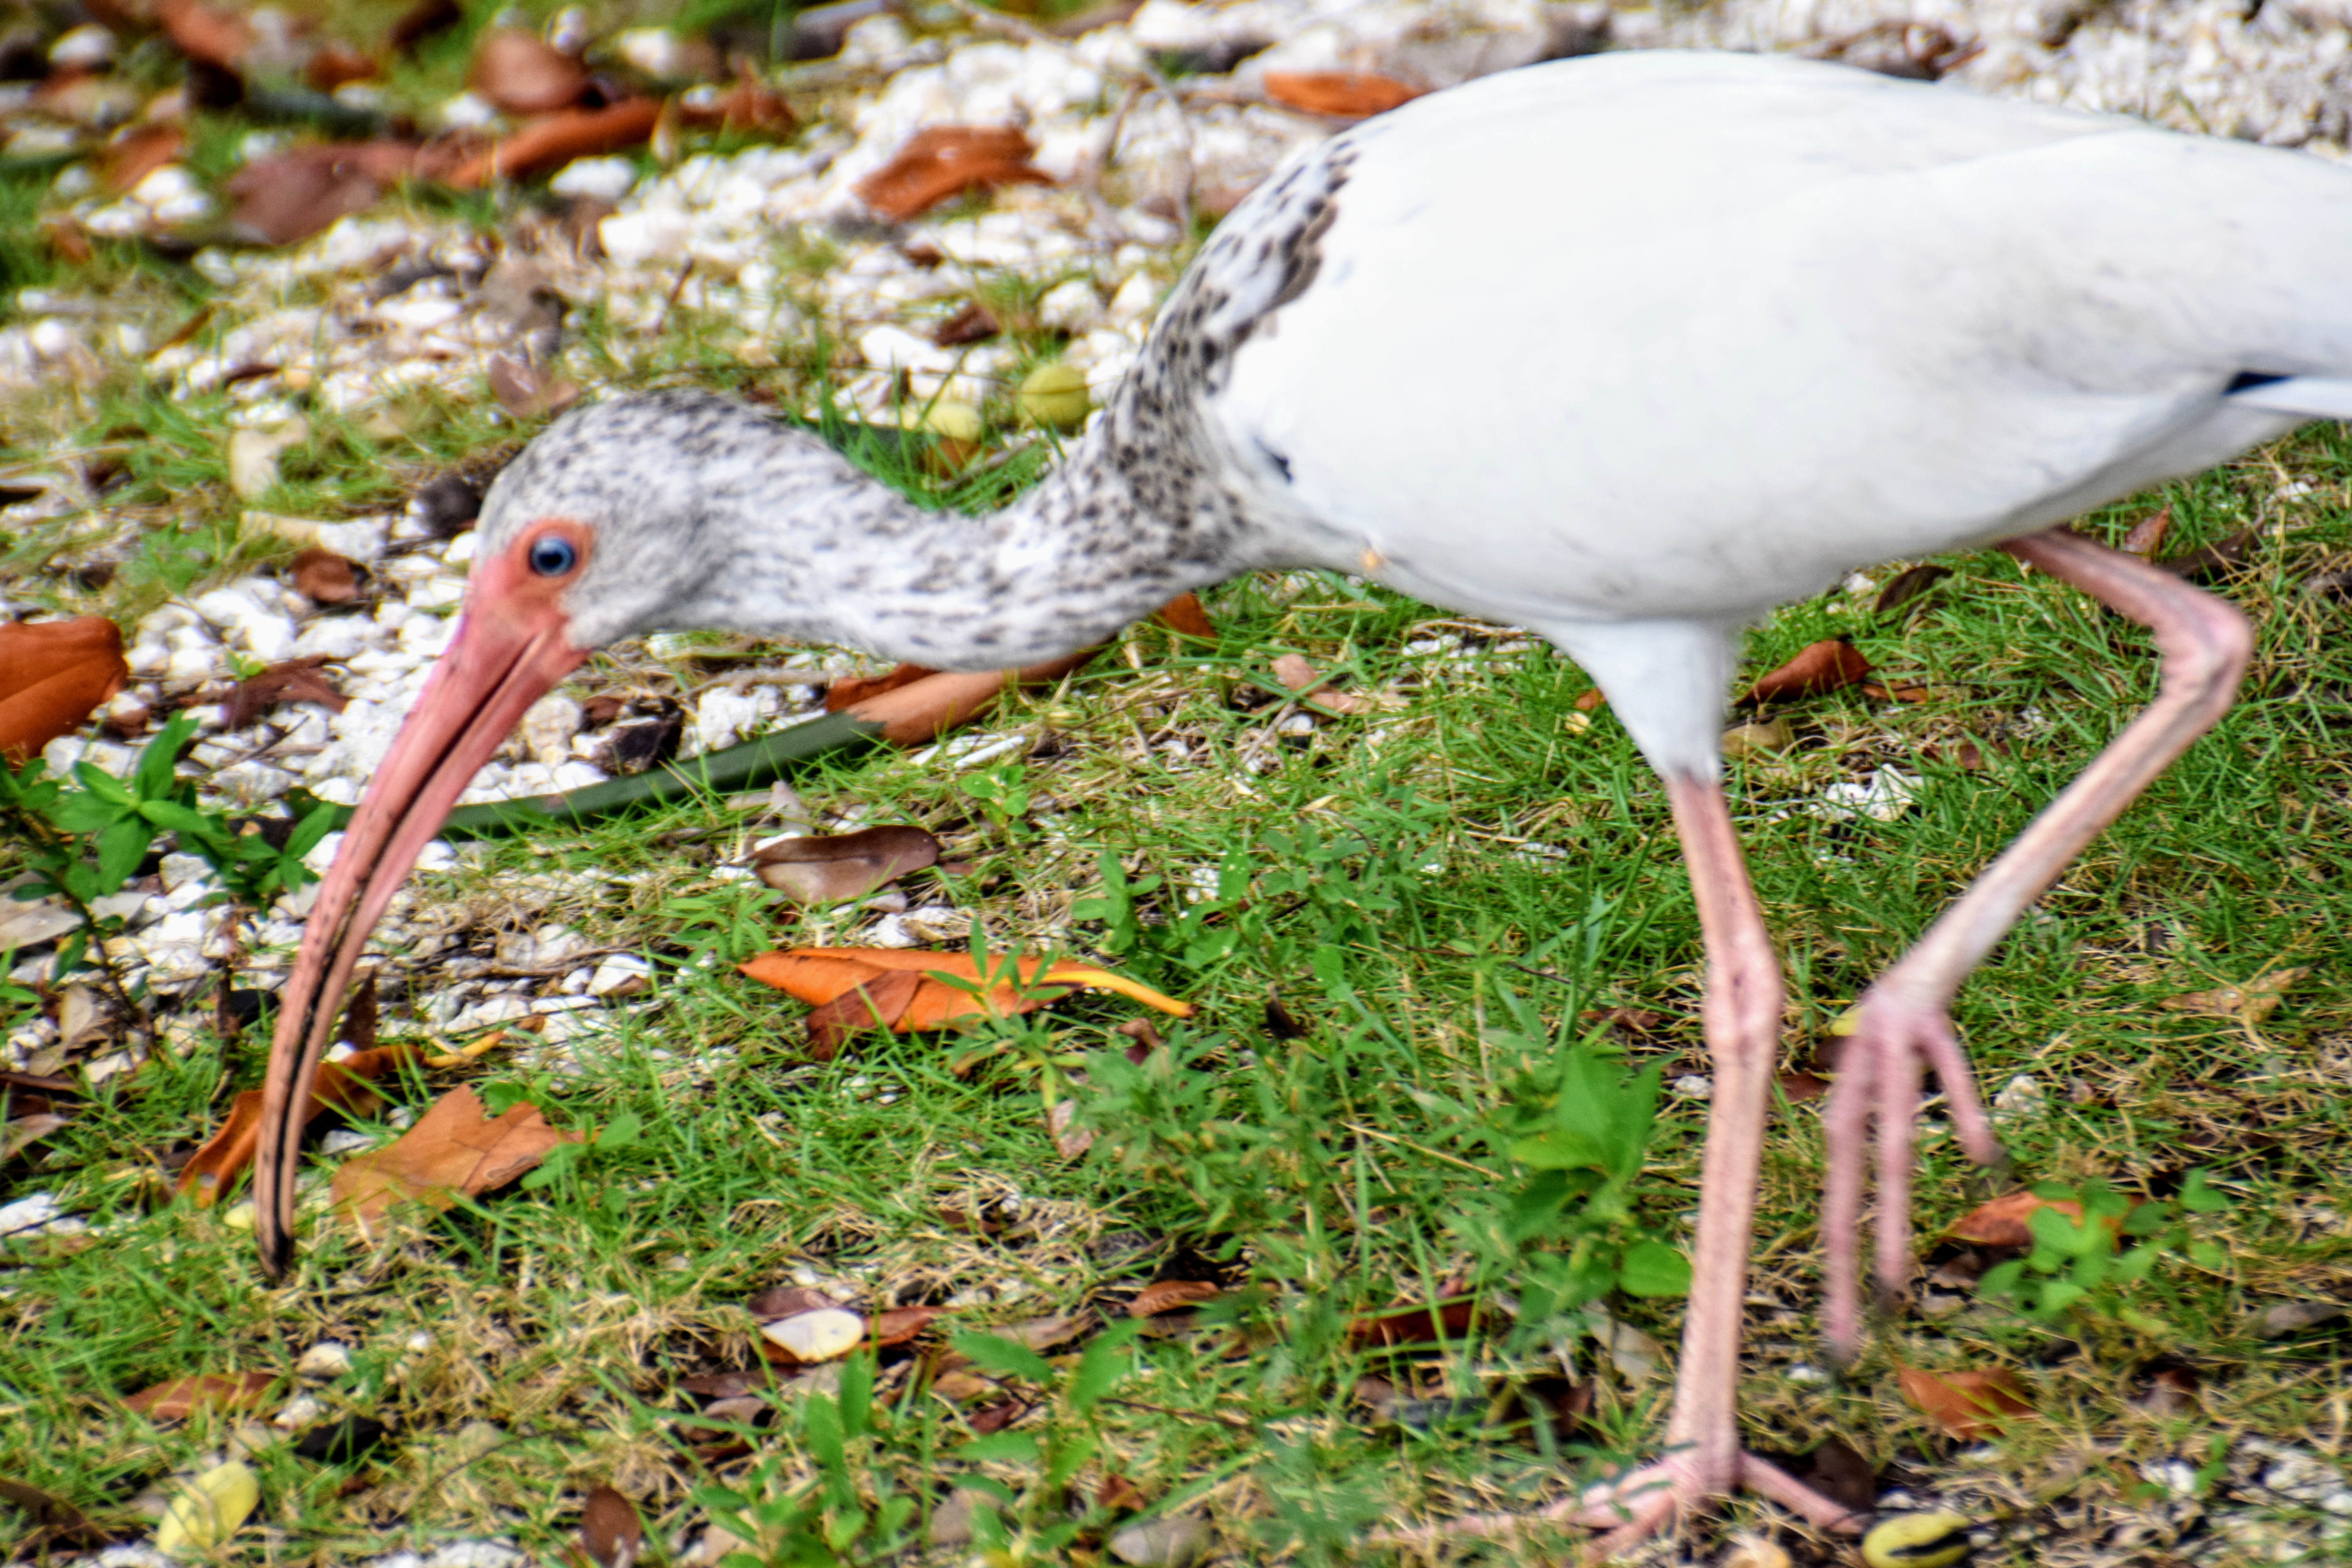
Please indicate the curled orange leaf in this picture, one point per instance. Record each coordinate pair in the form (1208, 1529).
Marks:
(53, 676)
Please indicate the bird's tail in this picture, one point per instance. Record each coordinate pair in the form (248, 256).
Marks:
(2313, 397)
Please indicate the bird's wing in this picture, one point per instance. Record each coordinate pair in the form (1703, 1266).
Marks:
(1688, 337)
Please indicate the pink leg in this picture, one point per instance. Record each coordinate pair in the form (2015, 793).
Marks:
(1703, 1459)
(2204, 644)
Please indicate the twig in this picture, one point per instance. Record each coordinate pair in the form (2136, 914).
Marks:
(1236, 1423)
(1418, 1148)
(661, 323)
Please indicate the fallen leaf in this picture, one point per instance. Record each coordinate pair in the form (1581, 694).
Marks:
(1171, 1540)
(287, 198)
(53, 1522)
(552, 140)
(2171, 1388)
(452, 1150)
(945, 160)
(851, 689)
(786, 1301)
(2006, 1221)
(1145, 1037)
(610, 1533)
(828, 869)
(875, 1004)
(1171, 1296)
(2248, 1004)
(1043, 1334)
(751, 106)
(819, 975)
(184, 1396)
(1280, 1024)
(989, 1418)
(1824, 665)
(2281, 1319)
(1798, 1087)
(1767, 739)
(346, 1085)
(1589, 701)
(526, 392)
(1119, 1494)
(1967, 1404)
(324, 577)
(2147, 535)
(1341, 95)
(1184, 614)
(898, 1325)
(2212, 560)
(1413, 1325)
(66, 238)
(807, 1339)
(295, 680)
(422, 21)
(23, 1132)
(972, 324)
(208, 1509)
(1299, 676)
(1906, 585)
(1070, 1141)
(521, 73)
(1841, 1475)
(136, 154)
(211, 34)
(336, 64)
(53, 676)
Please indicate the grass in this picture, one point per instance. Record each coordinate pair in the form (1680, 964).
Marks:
(1442, 895)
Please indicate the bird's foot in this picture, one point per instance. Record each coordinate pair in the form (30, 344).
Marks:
(1896, 1034)
(1633, 1508)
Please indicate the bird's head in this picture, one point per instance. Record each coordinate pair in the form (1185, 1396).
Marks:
(620, 519)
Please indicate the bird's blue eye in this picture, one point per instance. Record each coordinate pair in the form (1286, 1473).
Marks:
(553, 555)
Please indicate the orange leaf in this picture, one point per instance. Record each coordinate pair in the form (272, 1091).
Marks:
(1967, 1404)
(1342, 95)
(184, 1396)
(452, 1150)
(554, 139)
(1824, 665)
(2147, 535)
(1171, 1296)
(522, 73)
(324, 577)
(946, 161)
(1413, 1325)
(876, 1004)
(751, 105)
(2006, 1221)
(337, 63)
(288, 199)
(818, 974)
(53, 676)
(339, 1085)
(852, 689)
(897, 1325)
(610, 1533)
(1183, 613)
(924, 710)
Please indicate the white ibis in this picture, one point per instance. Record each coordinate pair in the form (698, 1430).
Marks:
(1629, 350)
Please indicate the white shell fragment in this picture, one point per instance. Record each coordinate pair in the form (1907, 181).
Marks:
(826, 1334)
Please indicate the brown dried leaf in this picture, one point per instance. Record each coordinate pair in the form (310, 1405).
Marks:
(554, 139)
(53, 676)
(610, 1533)
(66, 238)
(522, 73)
(2248, 1004)
(346, 1085)
(1171, 1296)
(1824, 665)
(751, 106)
(828, 869)
(994, 1417)
(184, 1396)
(898, 1325)
(22, 1133)
(2006, 1221)
(778, 1301)
(1299, 676)
(527, 392)
(295, 680)
(210, 35)
(324, 577)
(1341, 95)
(287, 199)
(53, 1522)
(135, 155)
(945, 160)
(2212, 560)
(2147, 535)
(1967, 1404)
(455, 1150)
(1044, 1334)
(1413, 1325)
(876, 1004)
(336, 64)
(1799, 1087)
(972, 324)
(1119, 1494)
(1908, 585)
(422, 21)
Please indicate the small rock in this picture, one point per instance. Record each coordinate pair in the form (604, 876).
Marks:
(621, 974)
(1174, 1541)
(826, 1334)
(2284, 1318)
(328, 1358)
(548, 726)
